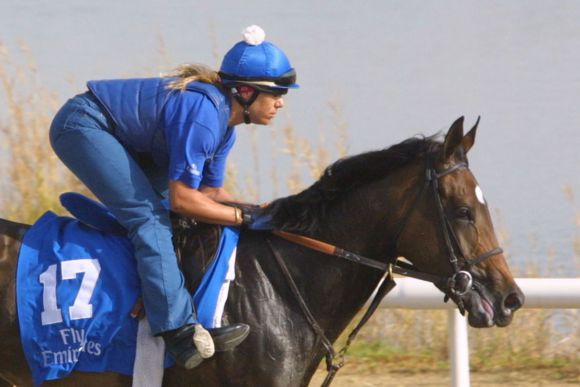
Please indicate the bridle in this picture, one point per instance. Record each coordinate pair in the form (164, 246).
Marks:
(458, 284)
(461, 281)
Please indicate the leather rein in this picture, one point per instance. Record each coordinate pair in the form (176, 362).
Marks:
(454, 286)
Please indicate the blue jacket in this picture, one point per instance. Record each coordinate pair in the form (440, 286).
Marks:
(191, 138)
(136, 107)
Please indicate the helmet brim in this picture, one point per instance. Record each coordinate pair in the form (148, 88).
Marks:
(274, 85)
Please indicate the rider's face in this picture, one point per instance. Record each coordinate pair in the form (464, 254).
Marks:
(265, 107)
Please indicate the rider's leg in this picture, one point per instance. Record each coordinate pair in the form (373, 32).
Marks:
(102, 163)
(79, 136)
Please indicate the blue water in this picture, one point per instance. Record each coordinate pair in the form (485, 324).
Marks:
(393, 69)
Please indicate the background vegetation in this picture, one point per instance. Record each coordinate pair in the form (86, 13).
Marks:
(399, 339)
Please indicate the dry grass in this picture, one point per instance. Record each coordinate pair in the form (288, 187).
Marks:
(34, 175)
(417, 341)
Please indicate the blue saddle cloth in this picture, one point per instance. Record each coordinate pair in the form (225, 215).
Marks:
(76, 286)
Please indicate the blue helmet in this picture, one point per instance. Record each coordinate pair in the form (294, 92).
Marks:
(259, 64)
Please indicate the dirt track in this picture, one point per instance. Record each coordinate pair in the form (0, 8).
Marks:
(346, 378)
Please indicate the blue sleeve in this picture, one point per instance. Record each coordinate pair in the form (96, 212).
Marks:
(215, 169)
(192, 132)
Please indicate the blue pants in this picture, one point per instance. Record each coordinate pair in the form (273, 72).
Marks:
(80, 136)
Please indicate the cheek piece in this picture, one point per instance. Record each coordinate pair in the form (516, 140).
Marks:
(245, 103)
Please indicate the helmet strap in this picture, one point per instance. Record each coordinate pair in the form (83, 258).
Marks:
(245, 103)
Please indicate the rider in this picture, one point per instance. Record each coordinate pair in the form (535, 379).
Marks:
(134, 142)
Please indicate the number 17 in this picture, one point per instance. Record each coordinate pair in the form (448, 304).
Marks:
(81, 308)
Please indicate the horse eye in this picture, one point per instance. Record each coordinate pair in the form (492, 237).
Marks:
(464, 213)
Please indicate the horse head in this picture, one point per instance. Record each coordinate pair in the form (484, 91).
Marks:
(450, 234)
(417, 200)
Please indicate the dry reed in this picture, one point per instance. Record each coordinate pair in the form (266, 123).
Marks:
(34, 175)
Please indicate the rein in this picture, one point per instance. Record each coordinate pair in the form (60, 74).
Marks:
(398, 267)
(458, 284)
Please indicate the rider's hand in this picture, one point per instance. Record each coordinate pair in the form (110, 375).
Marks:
(256, 218)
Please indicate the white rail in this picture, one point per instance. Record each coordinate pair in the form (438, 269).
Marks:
(541, 293)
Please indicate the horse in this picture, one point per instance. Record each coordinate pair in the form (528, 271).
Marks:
(417, 199)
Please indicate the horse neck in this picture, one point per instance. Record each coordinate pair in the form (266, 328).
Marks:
(338, 288)
(366, 221)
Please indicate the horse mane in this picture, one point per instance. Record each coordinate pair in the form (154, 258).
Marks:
(303, 212)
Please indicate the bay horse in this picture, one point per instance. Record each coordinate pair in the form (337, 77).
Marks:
(417, 199)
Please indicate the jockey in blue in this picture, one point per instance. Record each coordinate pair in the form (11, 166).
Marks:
(134, 142)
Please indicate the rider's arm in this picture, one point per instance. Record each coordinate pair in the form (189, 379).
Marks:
(218, 194)
(197, 154)
(196, 204)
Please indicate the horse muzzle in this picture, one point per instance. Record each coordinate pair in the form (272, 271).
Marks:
(486, 308)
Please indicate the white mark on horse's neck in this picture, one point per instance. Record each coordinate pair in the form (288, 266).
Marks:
(479, 194)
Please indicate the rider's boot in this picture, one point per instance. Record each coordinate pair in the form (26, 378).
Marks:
(179, 343)
(190, 344)
(229, 336)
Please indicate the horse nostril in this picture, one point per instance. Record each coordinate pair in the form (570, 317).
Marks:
(513, 301)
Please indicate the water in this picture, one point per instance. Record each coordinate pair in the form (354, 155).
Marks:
(394, 69)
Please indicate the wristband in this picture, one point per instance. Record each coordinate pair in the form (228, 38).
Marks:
(238, 215)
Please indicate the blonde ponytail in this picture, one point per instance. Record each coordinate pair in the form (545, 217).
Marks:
(187, 73)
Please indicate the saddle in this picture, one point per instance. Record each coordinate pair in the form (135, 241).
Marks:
(196, 243)
(196, 246)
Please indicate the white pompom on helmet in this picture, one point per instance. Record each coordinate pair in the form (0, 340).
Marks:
(258, 63)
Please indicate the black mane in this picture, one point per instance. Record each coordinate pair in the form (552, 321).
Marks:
(301, 212)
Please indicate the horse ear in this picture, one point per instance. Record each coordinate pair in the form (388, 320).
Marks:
(453, 138)
(469, 138)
